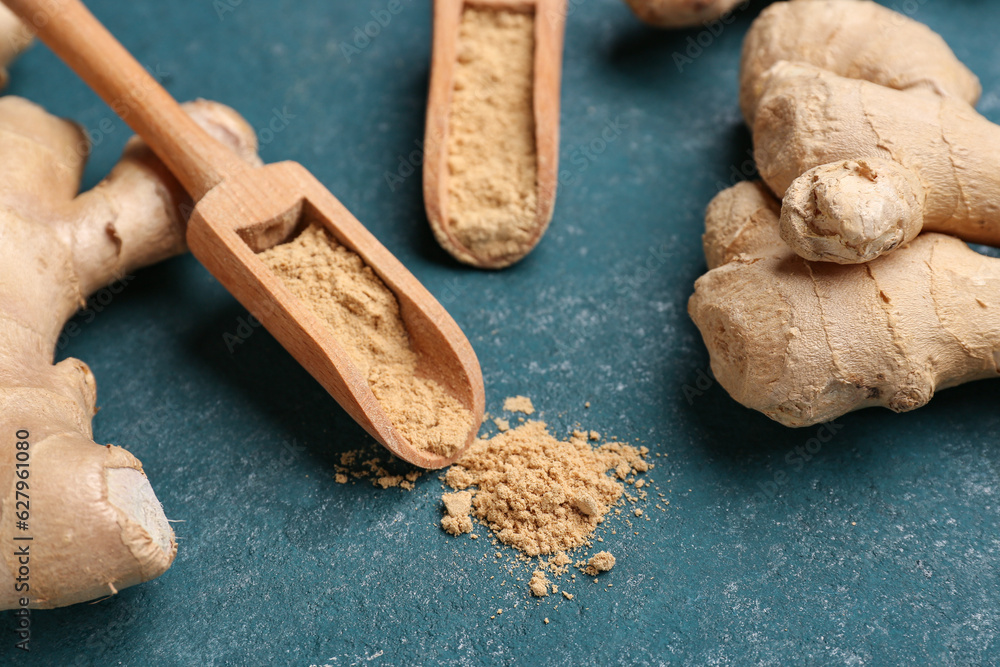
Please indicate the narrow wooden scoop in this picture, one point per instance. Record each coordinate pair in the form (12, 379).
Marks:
(549, 27)
(242, 210)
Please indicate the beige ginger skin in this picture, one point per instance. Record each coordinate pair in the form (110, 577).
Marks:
(96, 524)
(682, 13)
(856, 39)
(806, 342)
(863, 123)
(864, 168)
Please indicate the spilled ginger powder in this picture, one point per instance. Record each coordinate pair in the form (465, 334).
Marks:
(539, 584)
(602, 561)
(363, 316)
(539, 494)
(385, 474)
(519, 404)
(457, 506)
(492, 159)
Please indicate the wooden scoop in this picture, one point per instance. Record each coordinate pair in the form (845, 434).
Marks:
(242, 210)
(550, 20)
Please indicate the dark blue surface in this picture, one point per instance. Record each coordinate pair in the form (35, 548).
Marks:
(881, 548)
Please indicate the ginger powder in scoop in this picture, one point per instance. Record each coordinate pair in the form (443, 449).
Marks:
(363, 316)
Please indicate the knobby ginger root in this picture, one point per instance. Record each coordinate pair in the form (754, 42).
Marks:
(682, 13)
(864, 168)
(96, 524)
(806, 342)
(857, 39)
(863, 123)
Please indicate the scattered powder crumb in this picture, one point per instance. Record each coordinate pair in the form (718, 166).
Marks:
(559, 563)
(502, 424)
(638, 512)
(546, 621)
(539, 584)
(568, 596)
(457, 506)
(360, 465)
(492, 161)
(456, 525)
(458, 503)
(389, 481)
(519, 404)
(594, 435)
(363, 316)
(530, 486)
(585, 504)
(602, 561)
(587, 404)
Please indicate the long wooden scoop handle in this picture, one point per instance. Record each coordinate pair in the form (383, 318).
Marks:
(75, 35)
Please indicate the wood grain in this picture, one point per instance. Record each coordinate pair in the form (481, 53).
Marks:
(243, 210)
(549, 27)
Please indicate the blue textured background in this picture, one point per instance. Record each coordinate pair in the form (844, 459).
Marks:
(882, 548)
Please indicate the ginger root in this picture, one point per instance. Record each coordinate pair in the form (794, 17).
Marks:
(95, 523)
(682, 13)
(806, 342)
(863, 122)
(864, 168)
(856, 39)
